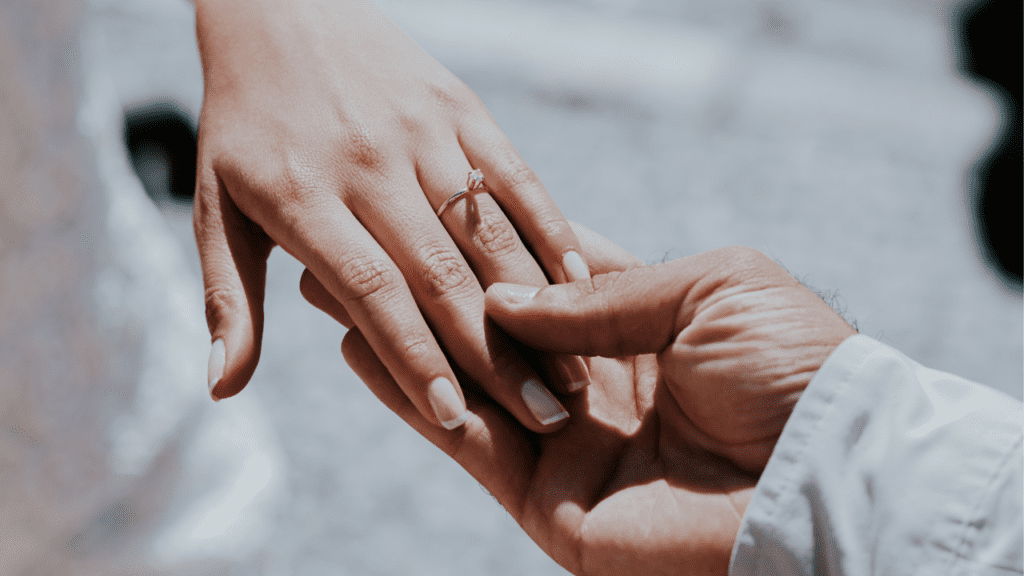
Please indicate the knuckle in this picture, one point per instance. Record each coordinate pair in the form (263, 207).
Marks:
(366, 276)
(363, 152)
(299, 183)
(206, 206)
(443, 271)
(518, 174)
(745, 254)
(749, 264)
(281, 185)
(450, 97)
(554, 226)
(413, 125)
(201, 215)
(416, 348)
(612, 330)
(222, 303)
(494, 235)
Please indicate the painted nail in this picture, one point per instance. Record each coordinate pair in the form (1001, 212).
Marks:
(447, 405)
(544, 406)
(574, 266)
(514, 293)
(215, 367)
(575, 372)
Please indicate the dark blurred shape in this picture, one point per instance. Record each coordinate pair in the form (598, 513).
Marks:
(778, 23)
(989, 34)
(161, 141)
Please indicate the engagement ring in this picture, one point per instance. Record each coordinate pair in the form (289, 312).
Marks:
(474, 183)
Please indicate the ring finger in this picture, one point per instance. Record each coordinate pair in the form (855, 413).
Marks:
(452, 300)
(487, 238)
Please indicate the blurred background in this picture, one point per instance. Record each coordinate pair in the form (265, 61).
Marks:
(863, 144)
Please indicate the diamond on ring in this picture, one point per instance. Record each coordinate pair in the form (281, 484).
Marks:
(474, 182)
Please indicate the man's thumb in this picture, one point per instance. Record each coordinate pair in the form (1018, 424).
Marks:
(614, 314)
(636, 311)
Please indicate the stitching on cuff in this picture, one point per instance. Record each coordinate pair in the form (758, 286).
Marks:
(983, 496)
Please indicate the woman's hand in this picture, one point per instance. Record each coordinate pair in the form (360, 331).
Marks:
(698, 365)
(325, 130)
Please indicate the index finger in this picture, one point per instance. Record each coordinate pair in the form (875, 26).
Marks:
(325, 236)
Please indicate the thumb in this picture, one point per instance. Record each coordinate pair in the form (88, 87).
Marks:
(233, 252)
(636, 311)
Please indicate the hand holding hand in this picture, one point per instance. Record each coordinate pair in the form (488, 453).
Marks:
(698, 365)
(737, 339)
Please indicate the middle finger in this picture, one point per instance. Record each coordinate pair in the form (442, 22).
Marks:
(451, 298)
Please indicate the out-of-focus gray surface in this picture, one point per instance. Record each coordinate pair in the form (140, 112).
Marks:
(834, 136)
(112, 460)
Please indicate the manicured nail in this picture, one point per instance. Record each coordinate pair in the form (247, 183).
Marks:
(447, 405)
(514, 293)
(574, 266)
(215, 367)
(545, 407)
(575, 372)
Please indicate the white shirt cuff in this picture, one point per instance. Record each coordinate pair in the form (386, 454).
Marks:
(888, 467)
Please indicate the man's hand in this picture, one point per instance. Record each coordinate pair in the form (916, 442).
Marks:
(737, 339)
(325, 130)
(698, 363)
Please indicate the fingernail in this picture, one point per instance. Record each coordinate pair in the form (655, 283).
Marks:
(545, 407)
(215, 367)
(447, 405)
(514, 293)
(575, 372)
(574, 266)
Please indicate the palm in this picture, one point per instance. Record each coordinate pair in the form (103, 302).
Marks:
(620, 473)
(653, 472)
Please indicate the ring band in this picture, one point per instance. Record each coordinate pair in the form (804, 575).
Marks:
(474, 183)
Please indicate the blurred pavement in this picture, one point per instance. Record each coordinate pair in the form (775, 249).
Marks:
(834, 136)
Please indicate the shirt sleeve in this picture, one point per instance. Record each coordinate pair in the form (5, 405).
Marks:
(888, 467)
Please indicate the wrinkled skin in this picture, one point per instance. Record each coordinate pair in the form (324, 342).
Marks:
(696, 366)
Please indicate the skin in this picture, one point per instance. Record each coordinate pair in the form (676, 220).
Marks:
(696, 366)
(326, 131)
